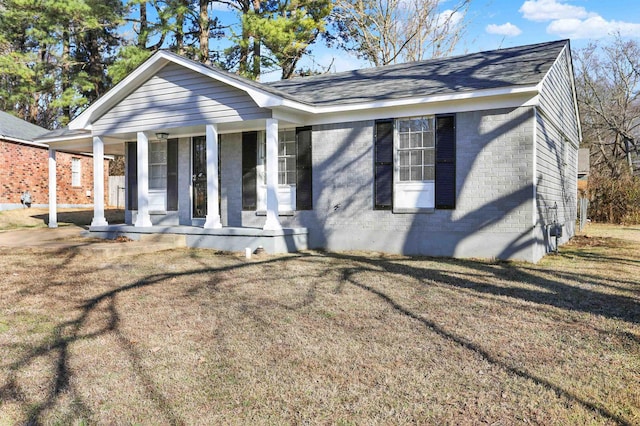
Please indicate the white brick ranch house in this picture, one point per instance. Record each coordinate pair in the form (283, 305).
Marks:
(468, 156)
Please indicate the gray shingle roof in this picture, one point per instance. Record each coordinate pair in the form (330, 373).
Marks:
(246, 81)
(15, 128)
(516, 66)
(65, 131)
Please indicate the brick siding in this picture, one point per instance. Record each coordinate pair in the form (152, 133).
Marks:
(26, 167)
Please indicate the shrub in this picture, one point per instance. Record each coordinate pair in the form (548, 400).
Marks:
(614, 200)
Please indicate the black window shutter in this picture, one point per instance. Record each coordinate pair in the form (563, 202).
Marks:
(132, 176)
(304, 194)
(172, 174)
(383, 167)
(249, 175)
(446, 161)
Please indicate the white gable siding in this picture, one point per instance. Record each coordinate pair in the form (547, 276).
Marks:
(557, 100)
(177, 97)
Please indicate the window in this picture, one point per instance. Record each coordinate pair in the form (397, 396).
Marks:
(415, 163)
(157, 165)
(76, 177)
(287, 157)
(286, 170)
(294, 190)
(416, 149)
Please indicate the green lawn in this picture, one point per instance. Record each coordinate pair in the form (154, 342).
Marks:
(199, 337)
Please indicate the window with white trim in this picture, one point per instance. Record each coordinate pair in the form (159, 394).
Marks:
(76, 172)
(415, 143)
(157, 165)
(287, 157)
(286, 170)
(409, 153)
(416, 149)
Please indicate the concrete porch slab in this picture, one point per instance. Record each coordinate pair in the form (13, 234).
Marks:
(287, 240)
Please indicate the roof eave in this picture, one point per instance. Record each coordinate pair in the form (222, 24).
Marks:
(458, 96)
(23, 141)
(64, 138)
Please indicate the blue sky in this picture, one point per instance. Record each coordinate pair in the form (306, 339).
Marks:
(504, 23)
(494, 24)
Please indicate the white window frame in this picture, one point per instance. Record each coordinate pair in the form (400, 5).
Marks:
(286, 191)
(418, 194)
(158, 193)
(76, 172)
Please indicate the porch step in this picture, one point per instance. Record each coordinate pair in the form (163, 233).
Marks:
(175, 240)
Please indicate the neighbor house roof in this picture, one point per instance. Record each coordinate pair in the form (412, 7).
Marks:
(516, 66)
(16, 129)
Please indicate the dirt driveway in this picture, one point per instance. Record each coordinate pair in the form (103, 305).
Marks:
(64, 236)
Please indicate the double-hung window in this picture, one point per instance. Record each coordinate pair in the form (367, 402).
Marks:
(414, 163)
(76, 176)
(287, 157)
(157, 175)
(294, 189)
(286, 170)
(157, 165)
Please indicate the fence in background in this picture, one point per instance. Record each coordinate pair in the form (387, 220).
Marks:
(116, 191)
(583, 206)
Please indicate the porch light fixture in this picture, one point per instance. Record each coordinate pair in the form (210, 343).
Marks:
(162, 136)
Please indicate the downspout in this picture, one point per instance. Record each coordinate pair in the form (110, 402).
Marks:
(534, 182)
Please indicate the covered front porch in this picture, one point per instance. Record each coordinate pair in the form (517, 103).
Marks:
(193, 206)
(202, 156)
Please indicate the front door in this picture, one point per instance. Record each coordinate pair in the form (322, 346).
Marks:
(199, 177)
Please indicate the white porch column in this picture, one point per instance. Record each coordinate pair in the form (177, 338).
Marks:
(213, 209)
(53, 208)
(272, 222)
(143, 219)
(98, 183)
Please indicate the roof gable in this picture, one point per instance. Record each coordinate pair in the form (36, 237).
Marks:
(176, 97)
(262, 95)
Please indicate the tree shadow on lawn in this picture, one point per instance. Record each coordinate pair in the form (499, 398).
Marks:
(552, 292)
(84, 217)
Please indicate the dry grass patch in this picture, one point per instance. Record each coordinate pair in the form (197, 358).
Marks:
(39, 217)
(197, 337)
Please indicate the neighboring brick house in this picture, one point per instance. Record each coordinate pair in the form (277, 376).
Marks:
(24, 166)
(468, 156)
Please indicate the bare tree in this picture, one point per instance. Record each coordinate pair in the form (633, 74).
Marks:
(391, 31)
(608, 88)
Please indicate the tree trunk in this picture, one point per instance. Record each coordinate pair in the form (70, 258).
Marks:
(66, 73)
(256, 46)
(143, 35)
(627, 152)
(203, 36)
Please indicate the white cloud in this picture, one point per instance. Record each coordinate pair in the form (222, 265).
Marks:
(507, 29)
(594, 27)
(574, 22)
(449, 19)
(547, 10)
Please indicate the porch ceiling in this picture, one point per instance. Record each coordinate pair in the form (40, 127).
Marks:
(199, 130)
(114, 143)
(84, 144)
